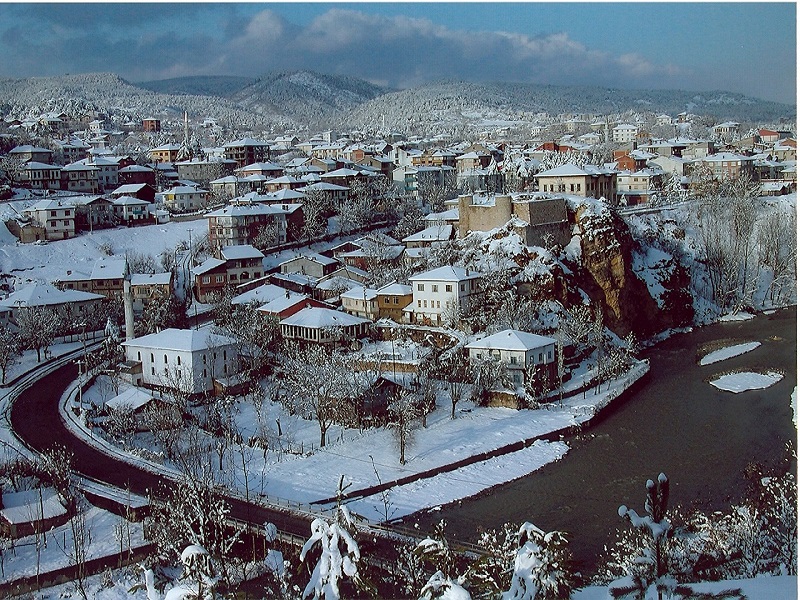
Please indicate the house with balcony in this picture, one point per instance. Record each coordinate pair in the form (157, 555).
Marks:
(131, 211)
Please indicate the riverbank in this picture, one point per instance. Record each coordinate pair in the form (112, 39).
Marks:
(673, 421)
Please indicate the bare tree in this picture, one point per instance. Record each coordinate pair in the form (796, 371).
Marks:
(10, 350)
(318, 385)
(403, 412)
(37, 328)
(777, 245)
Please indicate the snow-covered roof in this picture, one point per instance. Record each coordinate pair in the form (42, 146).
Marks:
(435, 233)
(567, 170)
(282, 302)
(312, 256)
(44, 294)
(30, 505)
(240, 252)
(320, 318)
(151, 278)
(245, 210)
(129, 201)
(324, 186)
(511, 339)
(181, 340)
(394, 289)
(262, 294)
(133, 398)
(129, 189)
(207, 265)
(108, 268)
(360, 292)
(283, 195)
(446, 273)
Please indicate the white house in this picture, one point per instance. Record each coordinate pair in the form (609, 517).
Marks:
(517, 350)
(190, 359)
(441, 294)
(624, 133)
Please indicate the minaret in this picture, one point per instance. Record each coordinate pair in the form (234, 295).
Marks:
(127, 297)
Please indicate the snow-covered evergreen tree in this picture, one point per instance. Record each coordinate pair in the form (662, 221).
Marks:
(338, 553)
(541, 566)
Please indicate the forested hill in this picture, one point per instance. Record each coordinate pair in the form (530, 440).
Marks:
(305, 99)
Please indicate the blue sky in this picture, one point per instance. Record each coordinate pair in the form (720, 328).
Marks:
(741, 47)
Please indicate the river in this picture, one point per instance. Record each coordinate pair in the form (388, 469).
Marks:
(673, 421)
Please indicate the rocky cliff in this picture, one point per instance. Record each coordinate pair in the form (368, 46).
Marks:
(604, 256)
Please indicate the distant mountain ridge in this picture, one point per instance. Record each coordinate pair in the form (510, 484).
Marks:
(306, 99)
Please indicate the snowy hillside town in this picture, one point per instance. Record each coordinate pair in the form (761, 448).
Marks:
(297, 363)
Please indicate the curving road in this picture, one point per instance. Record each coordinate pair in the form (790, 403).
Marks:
(35, 420)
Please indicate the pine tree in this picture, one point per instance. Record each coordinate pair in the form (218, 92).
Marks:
(339, 553)
(541, 566)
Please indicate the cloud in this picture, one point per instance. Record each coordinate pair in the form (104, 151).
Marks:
(151, 41)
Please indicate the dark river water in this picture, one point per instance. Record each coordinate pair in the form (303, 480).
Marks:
(674, 422)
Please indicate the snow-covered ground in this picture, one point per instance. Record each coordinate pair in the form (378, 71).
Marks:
(773, 588)
(729, 352)
(309, 473)
(746, 380)
(104, 529)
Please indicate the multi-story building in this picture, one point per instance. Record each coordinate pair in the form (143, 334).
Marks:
(243, 223)
(185, 198)
(440, 296)
(517, 350)
(80, 177)
(589, 181)
(41, 176)
(246, 151)
(57, 218)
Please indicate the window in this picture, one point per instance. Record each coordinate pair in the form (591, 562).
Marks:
(205, 373)
(220, 278)
(207, 279)
(420, 287)
(513, 360)
(549, 355)
(435, 288)
(52, 213)
(438, 304)
(448, 288)
(165, 359)
(152, 358)
(179, 361)
(419, 303)
(204, 359)
(152, 370)
(461, 287)
(541, 357)
(425, 304)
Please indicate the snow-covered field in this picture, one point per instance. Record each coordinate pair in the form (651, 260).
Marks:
(364, 457)
(104, 528)
(746, 380)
